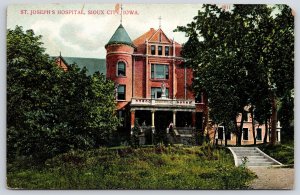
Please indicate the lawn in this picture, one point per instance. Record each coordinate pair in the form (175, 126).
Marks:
(158, 167)
(284, 153)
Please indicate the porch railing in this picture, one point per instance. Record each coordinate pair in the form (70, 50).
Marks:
(169, 102)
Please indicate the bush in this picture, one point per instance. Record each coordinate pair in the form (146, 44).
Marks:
(284, 153)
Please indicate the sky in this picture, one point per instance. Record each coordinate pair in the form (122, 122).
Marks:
(85, 35)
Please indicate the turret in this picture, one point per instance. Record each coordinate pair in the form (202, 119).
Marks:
(119, 50)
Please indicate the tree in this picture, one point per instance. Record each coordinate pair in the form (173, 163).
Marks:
(29, 95)
(236, 58)
(51, 111)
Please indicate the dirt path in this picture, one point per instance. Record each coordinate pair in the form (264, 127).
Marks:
(273, 178)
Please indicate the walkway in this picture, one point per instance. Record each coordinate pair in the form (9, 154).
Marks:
(272, 178)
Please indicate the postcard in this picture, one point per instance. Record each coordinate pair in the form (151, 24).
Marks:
(150, 96)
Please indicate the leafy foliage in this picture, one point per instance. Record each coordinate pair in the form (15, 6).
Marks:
(135, 132)
(284, 153)
(238, 56)
(50, 111)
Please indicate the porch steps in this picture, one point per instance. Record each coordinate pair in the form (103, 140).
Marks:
(184, 136)
(255, 157)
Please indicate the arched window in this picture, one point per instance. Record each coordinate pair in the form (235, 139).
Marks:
(121, 68)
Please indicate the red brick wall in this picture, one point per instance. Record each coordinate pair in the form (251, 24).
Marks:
(140, 78)
(158, 82)
(115, 53)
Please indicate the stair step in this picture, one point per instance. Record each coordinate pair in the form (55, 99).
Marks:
(260, 164)
(254, 157)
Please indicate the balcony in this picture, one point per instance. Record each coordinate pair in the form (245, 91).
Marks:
(162, 102)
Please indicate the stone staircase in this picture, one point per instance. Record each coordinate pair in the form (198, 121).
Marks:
(255, 157)
(184, 136)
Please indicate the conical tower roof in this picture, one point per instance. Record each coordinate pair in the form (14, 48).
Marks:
(120, 37)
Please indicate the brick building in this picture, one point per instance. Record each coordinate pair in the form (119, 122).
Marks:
(153, 86)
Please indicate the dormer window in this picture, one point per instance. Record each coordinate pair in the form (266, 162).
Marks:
(160, 50)
(121, 69)
(152, 49)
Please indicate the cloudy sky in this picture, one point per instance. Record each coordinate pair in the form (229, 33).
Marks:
(84, 35)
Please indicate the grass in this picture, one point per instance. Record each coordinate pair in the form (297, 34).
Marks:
(127, 168)
(284, 153)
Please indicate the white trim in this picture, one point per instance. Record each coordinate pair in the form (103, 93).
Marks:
(217, 134)
(117, 52)
(234, 157)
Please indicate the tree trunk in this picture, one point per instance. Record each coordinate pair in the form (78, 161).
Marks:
(266, 131)
(240, 130)
(253, 126)
(225, 132)
(214, 141)
(273, 121)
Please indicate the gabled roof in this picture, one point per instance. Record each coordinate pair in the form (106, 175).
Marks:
(152, 36)
(160, 36)
(141, 39)
(120, 37)
(92, 64)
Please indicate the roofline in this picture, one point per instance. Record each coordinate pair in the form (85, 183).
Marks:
(120, 43)
(162, 32)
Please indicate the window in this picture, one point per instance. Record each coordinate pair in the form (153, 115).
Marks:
(156, 92)
(160, 50)
(121, 92)
(220, 132)
(159, 71)
(152, 49)
(245, 133)
(121, 69)
(199, 98)
(258, 134)
(167, 51)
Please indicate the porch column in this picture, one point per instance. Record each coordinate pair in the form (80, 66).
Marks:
(132, 112)
(193, 119)
(152, 118)
(174, 118)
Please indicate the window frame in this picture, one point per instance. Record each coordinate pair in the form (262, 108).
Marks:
(260, 134)
(158, 89)
(160, 50)
(243, 134)
(153, 49)
(117, 69)
(123, 93)
(167, 54)
(154, 72)
(220, 129)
